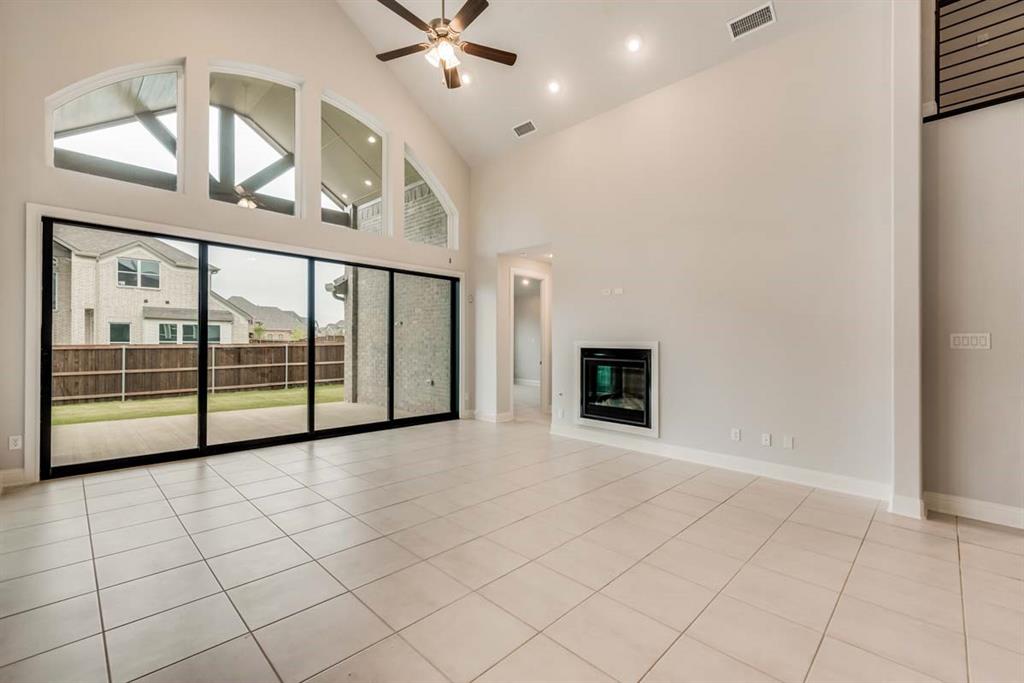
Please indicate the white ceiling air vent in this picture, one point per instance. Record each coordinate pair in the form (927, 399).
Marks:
(524, 128)
(752, 21)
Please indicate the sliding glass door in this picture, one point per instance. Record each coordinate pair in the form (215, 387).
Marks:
(122, 369)
(293, 348)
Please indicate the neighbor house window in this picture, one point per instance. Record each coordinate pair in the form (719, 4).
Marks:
(189, 334)
(120, 333)
(352, 159)
(126, 130)
(168, 333)
(134, 272)
(252, 142)
(426, 218)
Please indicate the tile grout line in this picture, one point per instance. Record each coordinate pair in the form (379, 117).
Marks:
(96, 580)
(228, 597)
(726, 585)
(963, 600)
(839, 596)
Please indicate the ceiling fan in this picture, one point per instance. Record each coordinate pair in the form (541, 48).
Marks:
(444, 40)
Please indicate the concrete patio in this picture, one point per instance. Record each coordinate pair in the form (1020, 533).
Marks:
(91, 441)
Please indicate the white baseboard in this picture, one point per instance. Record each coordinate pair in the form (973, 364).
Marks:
(14, 476)
(528, 382)
(492, 417)
(467, 414)
(797, 475)
(981, 510)
(908, 506)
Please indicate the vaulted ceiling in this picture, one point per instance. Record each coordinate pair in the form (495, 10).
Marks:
(579, 43)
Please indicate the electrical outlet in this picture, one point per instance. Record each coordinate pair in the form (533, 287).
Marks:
(787, 442)
(766, 439)
(14, 443)
(736, 434)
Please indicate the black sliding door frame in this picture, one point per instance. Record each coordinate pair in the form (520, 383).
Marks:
(203, 448)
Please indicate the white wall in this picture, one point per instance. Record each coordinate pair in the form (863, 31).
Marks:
(45, 47)
(527, 333)
(974, 282)
(750, 230)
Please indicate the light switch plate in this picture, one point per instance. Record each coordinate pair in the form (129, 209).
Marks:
(766, 439)
(970, 341)
(736, 434)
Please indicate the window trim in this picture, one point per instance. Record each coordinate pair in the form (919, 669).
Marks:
(110, 323)
(138, 273)
(383, 136)
(159, 333)
(103, 79)
(231, 68)
(442, 195)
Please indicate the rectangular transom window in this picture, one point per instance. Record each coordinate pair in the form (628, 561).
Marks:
(120, 333)
(134, 272)
(252, 142)
(126, 130)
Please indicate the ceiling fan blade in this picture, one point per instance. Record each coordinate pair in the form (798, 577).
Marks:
(470, 11)
(403, 51)
(401, 11)
(452, 78)
(491, 53)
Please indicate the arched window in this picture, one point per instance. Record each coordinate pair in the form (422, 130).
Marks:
(252, 142)
(429, 214)
(123, 126)
(352, 171)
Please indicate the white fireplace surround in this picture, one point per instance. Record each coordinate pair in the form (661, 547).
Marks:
(654, 430)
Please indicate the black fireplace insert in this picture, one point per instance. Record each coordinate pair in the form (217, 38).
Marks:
(615, 385)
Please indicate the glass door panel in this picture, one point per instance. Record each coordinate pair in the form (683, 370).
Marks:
(123, 377)
(257, 369)
(351, 345)
(423, 345)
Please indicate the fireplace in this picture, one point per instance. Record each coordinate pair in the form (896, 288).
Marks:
(618, 386)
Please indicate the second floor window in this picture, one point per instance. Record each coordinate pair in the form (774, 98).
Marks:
(136, 272)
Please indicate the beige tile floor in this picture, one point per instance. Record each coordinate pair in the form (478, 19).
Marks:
(469, 551)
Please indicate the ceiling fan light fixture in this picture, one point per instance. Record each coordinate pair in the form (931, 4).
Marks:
(433, 57)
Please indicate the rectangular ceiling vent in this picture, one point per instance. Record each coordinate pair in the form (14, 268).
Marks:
(524, 129)
(752, 21)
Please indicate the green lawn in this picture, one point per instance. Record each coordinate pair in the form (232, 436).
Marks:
(103, 411)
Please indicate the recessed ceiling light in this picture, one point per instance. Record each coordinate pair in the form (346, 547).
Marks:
(466, 79)
(526, 283)
(344, 196)
(554, 87)
(633, 44)
(551, 256)
(368, 183)
(371, 139)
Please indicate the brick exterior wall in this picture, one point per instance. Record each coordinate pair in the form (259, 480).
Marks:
(422, 319)
(85, 283)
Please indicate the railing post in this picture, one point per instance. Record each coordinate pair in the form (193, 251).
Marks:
(124, 350)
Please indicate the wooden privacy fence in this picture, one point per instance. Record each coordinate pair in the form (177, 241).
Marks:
(94, 372)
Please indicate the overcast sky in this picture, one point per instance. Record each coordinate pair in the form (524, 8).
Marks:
(271, 280)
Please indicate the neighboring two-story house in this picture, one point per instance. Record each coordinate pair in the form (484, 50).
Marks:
(270, 323)
(118, 288)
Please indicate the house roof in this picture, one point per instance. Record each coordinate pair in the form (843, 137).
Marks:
(168, 313)
(272, 317)
(89, 242)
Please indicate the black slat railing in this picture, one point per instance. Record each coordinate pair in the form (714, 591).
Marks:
(979, 54)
